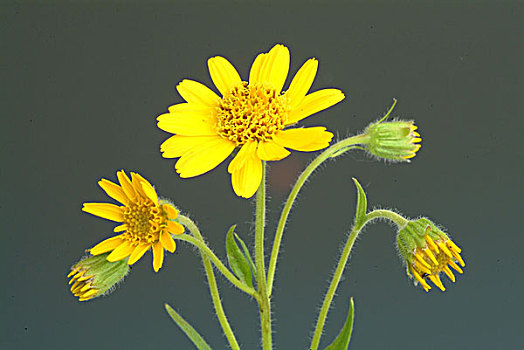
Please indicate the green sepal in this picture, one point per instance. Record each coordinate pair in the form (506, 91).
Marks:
(237, 260)
(191, 333)
(362, 205)
(342, 340)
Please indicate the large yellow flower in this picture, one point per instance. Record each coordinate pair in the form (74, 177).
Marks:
(252, 117)
(146, 221)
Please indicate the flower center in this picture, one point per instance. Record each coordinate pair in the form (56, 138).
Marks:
(144, 221)
(251, 113)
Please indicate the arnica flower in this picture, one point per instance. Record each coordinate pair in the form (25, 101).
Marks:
(94, 276)
(252, 117)
(393, 140)
(147, 222)
(427, 252)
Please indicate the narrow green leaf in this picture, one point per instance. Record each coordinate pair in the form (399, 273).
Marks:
(247, 254)
(362, 205)
(237, 260)
(191, 333)
(343, 338)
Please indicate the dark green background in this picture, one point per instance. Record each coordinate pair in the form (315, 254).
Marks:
(82, 85)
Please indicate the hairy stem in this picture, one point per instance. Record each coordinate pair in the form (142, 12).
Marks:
(263, 301)
(333, 151)
(213, 288)
(326, 304)
(216, 261)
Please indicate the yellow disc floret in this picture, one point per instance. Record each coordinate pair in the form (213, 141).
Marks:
(252, 112)
(144, 220)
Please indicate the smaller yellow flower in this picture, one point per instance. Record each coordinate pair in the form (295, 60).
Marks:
(427, 252)
(94, 276)
(147, 222)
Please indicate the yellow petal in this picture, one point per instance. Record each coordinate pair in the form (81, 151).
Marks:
(205, 157)
(195, 92)
(223, 74)
(189, 120)
(171, 212)
(106, 245)
(177, 145)
(121, 252)
(247, 151)
(138, 252)
(246, 179)
(127, 185)
(175, 228)
(256, 68)
(144, 187)
(302, 82)
(304, 139)
(114, 191)
(105, 210)
(120, 228)
(167, 241)
(136, 180)
(276, 67)
(271, 151)
(313, 103)
(158, 256)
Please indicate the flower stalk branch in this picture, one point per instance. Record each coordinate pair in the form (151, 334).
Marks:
(218, 263)
(341, 264)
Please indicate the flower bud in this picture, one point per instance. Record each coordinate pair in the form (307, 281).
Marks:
(94, 276)
(427, 251)
(393, 140)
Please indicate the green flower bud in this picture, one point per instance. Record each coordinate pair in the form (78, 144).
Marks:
(393, 140)
(94, 276)
(427, 251)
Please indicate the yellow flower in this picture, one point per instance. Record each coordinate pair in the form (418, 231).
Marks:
(250, 116)
(147, 222)
(428, 251)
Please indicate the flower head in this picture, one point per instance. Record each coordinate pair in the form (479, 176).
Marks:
(146, 221)
(93, 276)
(252, 117)
(393, 140)
(427, 252)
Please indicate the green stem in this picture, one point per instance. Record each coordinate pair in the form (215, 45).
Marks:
(213, 288)
(333, 151)
(375, 214)
(387, 214)
(263, 302)
(216, 261)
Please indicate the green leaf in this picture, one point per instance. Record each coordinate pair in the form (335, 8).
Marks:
(247, 254)
(237, 260)
(343, 338)
(191, 333)
(362, 205)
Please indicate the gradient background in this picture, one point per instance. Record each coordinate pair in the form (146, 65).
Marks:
(82, 85)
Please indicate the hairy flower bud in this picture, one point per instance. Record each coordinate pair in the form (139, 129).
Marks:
(393, 140)
(428, 251)
(94, 276)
